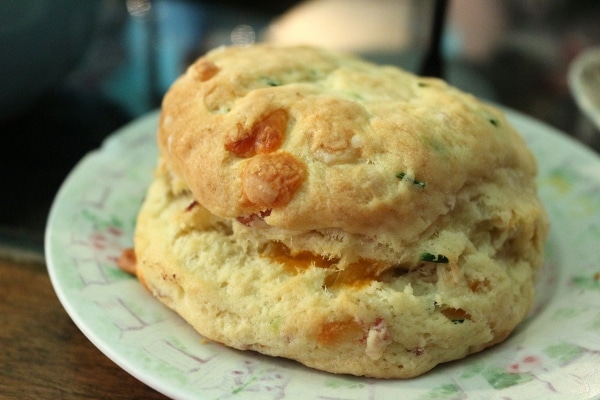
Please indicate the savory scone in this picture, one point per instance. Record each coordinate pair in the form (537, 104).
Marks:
(354, 217)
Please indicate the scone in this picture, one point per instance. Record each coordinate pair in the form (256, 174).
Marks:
(353, 217)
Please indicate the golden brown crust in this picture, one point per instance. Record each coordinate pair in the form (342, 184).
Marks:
(348, 129)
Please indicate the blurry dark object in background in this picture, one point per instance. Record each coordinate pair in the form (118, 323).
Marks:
(41, 42)
(270, 8)
(528, 67)
(46, 127)
(433, 61)
(39, 148)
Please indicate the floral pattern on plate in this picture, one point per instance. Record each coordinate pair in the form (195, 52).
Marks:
(553, 354)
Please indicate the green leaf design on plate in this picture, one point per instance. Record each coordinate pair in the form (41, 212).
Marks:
(445, 391)
(102, 222)
(563, 352)
(567, 312)
(500, 379)
(337, 383)
(497, 377)
(115, 274)
(596, 323)
(561, 179)
(586, 282)
(244, 385)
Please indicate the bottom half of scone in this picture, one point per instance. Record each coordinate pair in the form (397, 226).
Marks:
(399, 324)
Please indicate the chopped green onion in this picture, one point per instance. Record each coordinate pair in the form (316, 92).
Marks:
(402, 175)
(440, 258)
(271, 82)
(494, 122)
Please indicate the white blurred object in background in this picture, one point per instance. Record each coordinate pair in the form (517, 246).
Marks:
(584, 83)
(385, 26)
(346, 25)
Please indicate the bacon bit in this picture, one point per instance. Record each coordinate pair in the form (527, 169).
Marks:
(480, 286)
(205, 70)
(271, 180)
(263, 137)
(419, 351)
(248, 220)
(191, 206)
(127, 261)
(378, 339)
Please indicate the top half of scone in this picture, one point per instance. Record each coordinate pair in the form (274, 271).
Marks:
(329, 155)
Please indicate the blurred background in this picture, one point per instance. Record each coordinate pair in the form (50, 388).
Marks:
(74, 71)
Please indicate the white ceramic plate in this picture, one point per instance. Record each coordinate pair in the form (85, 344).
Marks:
(554, 354)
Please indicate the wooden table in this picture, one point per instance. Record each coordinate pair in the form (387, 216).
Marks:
(43, 355)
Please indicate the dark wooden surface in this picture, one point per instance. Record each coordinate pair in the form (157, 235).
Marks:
(43, 355)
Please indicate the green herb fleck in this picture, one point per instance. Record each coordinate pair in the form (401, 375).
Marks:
(402, 175)
(494, 122)
(354, 96)
(423, 84)
(271, 82)
(429, 257)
